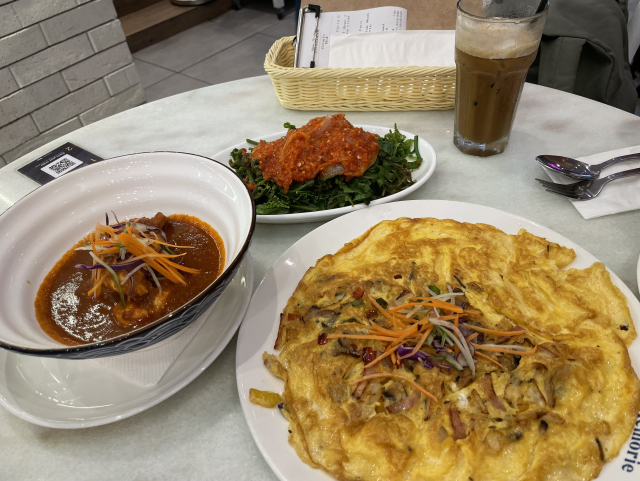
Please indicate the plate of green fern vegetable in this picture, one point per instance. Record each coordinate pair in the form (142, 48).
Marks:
(405, 162)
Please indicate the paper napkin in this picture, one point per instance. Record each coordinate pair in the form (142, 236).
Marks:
(621, 195)
(404, 48)
(147, 366)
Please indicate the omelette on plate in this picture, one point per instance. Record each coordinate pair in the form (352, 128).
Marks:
(431, 349)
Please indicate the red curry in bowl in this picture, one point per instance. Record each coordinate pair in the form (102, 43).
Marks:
(126, 275)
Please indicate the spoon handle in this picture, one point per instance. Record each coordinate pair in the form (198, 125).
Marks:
(615, 160)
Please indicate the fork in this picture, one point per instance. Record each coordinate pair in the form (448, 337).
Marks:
(585, 189)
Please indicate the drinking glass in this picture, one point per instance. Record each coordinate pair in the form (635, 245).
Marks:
(496, 43)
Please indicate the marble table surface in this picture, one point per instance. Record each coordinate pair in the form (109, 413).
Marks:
(200, 433)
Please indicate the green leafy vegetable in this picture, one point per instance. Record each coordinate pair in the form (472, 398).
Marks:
(435, 289)
(390, 173)
(358, 303)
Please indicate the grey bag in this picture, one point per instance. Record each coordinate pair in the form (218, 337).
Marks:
(584, 50)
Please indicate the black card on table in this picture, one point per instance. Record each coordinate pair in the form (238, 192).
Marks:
(58, 162)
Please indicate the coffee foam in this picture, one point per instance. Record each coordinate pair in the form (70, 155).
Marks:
(496, 40)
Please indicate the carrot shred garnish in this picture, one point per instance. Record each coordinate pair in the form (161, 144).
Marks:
(396, 376)
(506, 351)
(98, 284)
(406, 332)
(420, 342)
(394, 357)
(137, 248)
(469, 313)
(159, 262)
(108, 242)
(429, 305)
(490, 359)
(93, 244)
(472, 336)
(495, 332)
(186, 269)
(456, 320)
(105, 228)
(361, 336)
(384, 330)
(152, 255)
(170, 245)
(384, 312)
(438, 303)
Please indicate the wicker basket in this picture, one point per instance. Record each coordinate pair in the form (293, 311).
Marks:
(343, 89)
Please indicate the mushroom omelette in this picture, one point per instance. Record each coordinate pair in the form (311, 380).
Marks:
(431, 349)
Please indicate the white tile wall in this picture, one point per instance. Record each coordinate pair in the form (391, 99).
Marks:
(9, 21)
(63, 64)
(34, 11)
(122, 79)
(119, 103)
(73, 104)
(19, 45)
(97, 66)
(106, 36)
(18, 132)
(78, 20)
(43, 138)
(31, 98)
(8, 84)
(51, 60)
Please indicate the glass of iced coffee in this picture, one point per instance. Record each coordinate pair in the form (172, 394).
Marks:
(496, 43)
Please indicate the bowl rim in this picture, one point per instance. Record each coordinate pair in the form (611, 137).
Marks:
(64, 350)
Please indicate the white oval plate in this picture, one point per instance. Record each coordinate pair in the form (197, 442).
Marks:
(420, 176)
(69, 394)
(260, 327)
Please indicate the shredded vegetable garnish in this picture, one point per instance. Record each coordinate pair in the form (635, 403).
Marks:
(131, 246)
(113, 274)
(433, 332)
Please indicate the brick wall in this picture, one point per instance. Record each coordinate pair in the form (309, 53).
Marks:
(63, 64)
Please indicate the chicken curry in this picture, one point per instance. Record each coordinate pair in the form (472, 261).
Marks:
(126, 275)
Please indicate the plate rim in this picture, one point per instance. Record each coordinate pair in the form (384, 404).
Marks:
(189, 376)
(317, 216)
(139, 332)
(559, 238)
(638, 272)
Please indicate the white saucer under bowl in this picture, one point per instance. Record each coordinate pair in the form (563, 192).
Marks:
(68, 394)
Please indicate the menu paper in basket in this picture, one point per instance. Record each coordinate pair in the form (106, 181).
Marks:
(315, 48)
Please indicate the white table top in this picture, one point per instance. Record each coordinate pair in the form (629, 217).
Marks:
(200, 433)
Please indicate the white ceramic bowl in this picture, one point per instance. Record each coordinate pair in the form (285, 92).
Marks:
(38, 230)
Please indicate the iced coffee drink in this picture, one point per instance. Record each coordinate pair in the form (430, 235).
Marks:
(493, 54)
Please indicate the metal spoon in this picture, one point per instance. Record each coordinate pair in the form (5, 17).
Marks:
(579, 170)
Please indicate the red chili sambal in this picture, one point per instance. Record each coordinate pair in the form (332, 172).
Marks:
(326, 146)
